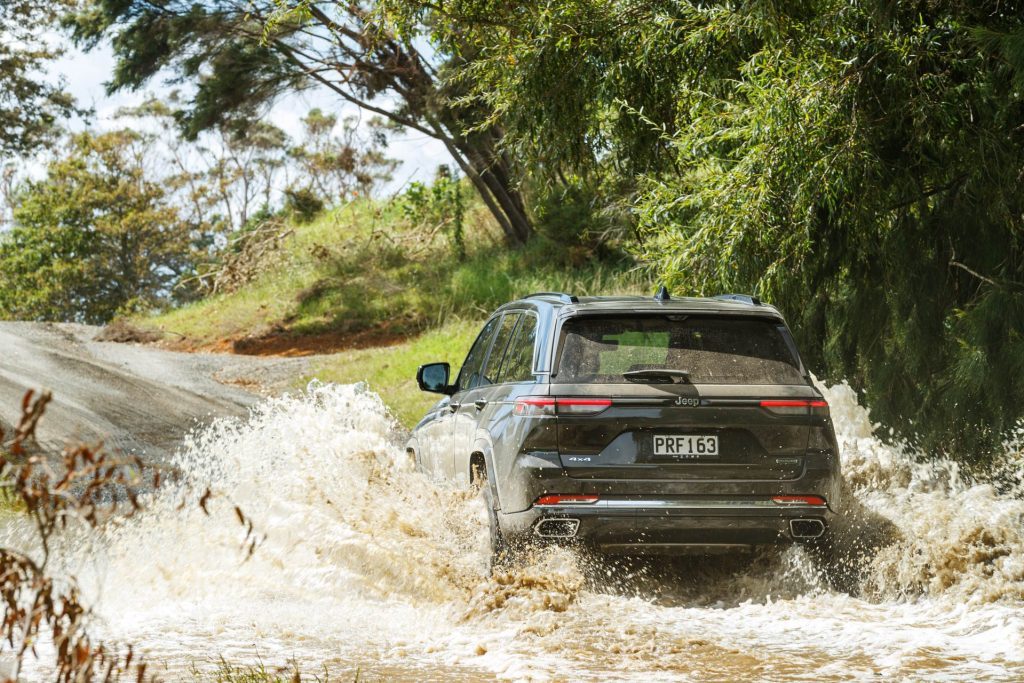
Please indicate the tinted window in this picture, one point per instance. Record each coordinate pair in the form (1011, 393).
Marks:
(497, 355)
(518, 365)
(711, 350)
(470, 375)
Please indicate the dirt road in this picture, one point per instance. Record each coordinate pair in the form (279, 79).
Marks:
(135, 398)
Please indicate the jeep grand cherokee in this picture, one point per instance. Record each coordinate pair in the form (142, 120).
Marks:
(635, 425)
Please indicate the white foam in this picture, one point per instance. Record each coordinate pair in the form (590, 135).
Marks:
(368, 564)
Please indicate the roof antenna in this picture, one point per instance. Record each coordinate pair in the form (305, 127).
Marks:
(662, 294)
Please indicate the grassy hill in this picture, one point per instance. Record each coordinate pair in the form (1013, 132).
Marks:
(383, 294)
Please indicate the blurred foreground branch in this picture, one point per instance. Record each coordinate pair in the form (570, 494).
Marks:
(89, 488)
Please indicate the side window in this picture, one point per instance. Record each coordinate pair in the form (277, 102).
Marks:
(497, 355)
(470, 375)
(519, 359)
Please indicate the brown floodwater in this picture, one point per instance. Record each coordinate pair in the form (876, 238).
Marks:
(368, 567)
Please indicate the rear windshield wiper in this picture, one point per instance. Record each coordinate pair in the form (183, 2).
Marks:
(664, 375)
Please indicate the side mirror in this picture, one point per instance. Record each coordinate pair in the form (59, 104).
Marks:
(433, 377)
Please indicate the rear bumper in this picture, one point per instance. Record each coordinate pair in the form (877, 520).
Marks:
(668, 525)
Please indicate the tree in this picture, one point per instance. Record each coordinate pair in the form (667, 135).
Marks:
(243, 167)
(29, 106)
(95, 238)
(859, 164)
(337, 167)
(241, 55)
(231, 175)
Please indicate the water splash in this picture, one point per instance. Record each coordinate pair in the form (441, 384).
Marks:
(367, 564)
(954, 536)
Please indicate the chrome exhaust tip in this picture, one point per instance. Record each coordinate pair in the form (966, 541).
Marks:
(806, 528)
(559, 527)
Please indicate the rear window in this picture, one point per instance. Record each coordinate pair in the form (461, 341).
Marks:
(711, 350)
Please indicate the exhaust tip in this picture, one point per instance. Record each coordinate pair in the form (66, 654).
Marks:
(561, 527)
(806, 528)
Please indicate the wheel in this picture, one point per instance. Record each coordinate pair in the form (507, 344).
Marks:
(500, 555)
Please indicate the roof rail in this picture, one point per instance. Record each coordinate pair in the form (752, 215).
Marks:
(742, 298)
(562, 296)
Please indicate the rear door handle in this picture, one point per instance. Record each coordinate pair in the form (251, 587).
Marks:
(480, 403)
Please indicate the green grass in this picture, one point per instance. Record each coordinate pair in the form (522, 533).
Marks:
(364, 266)
(391, 370)
(226, 672)
(9, 503)
(301, 266)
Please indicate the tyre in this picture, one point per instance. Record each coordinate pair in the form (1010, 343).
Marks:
(500, 555)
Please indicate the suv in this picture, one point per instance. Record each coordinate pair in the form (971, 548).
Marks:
(636, 426)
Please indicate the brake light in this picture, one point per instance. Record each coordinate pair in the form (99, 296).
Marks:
(581, 406)
(566, 499)
(797, 406)
(539, 405)
(798, 500)
(545, 405)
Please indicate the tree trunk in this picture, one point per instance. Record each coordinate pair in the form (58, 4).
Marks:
(426, 110)
(493, 169)
(489, 171)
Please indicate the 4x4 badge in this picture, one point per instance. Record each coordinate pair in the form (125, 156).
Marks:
(683, 401)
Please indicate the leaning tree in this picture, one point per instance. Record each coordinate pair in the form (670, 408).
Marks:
(242, 55)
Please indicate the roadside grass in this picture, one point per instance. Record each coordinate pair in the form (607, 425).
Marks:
(365, 267)
(226, 672)
(391, 370)
(9, 504)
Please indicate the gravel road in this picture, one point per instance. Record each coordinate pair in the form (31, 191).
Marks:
(134, 398)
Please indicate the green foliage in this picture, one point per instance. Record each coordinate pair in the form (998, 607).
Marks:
(858, 164)
(95, 238)
(591, 215)
(240, 56)
(234, 174)
(391, 370)
(302, 204)
(336, 162)
(366, 272)
(29, 105)
(438, 206)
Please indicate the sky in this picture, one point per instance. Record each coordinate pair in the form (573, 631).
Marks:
(86, 73)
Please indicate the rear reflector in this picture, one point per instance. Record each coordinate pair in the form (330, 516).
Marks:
(798, 500)
(566, 499)
(799, 406)
(546, 405)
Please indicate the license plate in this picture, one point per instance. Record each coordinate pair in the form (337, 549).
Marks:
(685, 447)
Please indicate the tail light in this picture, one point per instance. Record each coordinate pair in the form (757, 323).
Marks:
(533, 406)
(566, 499)
(797, 406)
(581, 406)
(798, 500)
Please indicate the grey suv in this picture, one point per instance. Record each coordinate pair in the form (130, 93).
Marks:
(635, 426)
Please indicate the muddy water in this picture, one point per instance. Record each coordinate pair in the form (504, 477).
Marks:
(367, 565)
